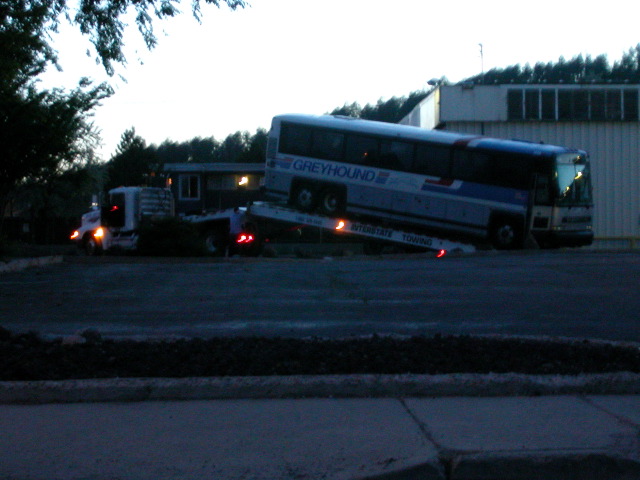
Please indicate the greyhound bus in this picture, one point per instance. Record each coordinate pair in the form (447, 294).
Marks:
(460, 185)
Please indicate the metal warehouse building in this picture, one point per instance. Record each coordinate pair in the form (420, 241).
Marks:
(602, 119)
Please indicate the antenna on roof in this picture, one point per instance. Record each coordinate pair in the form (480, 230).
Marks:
(481, 63)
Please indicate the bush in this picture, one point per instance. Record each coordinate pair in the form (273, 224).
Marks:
(170, 237)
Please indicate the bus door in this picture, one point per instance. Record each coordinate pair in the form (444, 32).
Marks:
(540, 203)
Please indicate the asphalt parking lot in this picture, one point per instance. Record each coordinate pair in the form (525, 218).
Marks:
(575, 293)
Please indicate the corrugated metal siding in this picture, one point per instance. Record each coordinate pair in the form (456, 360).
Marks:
(614, 148)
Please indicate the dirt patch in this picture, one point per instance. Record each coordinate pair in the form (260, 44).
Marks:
(29, 357)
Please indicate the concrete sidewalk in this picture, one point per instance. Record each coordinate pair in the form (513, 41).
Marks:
(548, 437)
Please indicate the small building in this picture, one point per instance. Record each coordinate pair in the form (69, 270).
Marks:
(205, 187)
(604, 120)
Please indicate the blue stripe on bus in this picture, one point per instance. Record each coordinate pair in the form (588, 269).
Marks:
(284, 163)
(476, 191)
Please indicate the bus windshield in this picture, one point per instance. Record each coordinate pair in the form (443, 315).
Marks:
(573, 180)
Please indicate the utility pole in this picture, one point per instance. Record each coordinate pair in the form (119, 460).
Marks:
(481, 64)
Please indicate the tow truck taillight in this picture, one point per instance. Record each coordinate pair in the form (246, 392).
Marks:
(441, 253)
(245, 238)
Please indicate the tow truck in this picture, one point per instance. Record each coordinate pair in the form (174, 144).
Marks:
(116, 226)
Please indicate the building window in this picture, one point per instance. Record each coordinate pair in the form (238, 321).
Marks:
(581, 105)
(189, 187)
(231, 182)
(532, 104)
(598, 105)
(514, 104)
(548, 105)
(614, 105)
(247, 182)
(630, 105)
(221, 182)
(565, 105)
(572, 104)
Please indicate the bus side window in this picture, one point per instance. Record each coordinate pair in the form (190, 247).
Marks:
(361, 150)
(511, 171)
(471, 166)
(327, 145)
(396, 155)
(295, 139)
(432, 160)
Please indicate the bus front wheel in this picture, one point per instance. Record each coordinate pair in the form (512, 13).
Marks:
(506, 234)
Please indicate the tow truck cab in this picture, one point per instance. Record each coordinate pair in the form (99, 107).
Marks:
(116, 224)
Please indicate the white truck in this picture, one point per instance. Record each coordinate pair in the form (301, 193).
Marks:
(116, 225)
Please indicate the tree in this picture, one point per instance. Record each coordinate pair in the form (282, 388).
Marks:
(628, 68)
(348, 110)
(201, 150)
(104, 21)
(44, 131)
(391, 111)
(580, 69)
(40, 131)
(256, 152)
(132, 163)
(173, 152)
(233, 147)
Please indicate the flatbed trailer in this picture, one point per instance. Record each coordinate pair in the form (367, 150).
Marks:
(374, 234)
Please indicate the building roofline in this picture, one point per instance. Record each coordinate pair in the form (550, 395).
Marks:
(214, 167)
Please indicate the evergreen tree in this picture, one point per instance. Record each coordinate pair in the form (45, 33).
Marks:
(132, 163)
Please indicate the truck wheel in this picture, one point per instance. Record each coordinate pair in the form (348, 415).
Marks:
(215, 242)
(506, 234)
(304, 197)
(331, 201)
(91, 247)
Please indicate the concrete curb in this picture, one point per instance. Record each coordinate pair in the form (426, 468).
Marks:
(523, 466)
(22, 263)
(534, 465)
(338, 386)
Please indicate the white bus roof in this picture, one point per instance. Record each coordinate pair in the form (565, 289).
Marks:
(407, 132)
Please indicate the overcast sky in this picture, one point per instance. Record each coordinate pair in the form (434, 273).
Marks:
(237, 69)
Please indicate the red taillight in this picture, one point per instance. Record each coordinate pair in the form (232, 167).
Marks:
(441, 253)
(245, 238)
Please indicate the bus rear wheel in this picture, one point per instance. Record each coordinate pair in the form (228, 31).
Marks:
(304, 197)
(331, 201)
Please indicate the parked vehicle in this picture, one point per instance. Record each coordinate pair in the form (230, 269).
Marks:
(451, 184)
(117, 224)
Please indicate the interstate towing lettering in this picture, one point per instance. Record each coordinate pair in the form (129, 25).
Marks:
(416, 240)
(340, 171)
(371, 230)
